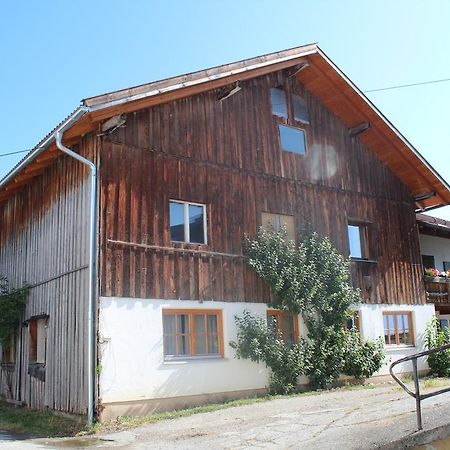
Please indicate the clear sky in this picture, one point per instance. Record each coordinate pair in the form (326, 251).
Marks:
(53, 54)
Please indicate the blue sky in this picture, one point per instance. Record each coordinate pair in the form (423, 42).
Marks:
(56, 53)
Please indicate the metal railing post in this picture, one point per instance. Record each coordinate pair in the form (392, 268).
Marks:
(417, 394)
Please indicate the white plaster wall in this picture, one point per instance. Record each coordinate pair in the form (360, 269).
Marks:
(133, 366)
(438, 247)
(132, 361)
(371, 320)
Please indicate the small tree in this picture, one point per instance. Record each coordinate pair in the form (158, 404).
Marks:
(439, 363)
(313, 280)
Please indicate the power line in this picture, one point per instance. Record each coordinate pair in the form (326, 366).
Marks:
(400, 86)
(15, 153)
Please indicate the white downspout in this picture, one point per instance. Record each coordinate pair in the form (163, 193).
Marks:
(92, 252)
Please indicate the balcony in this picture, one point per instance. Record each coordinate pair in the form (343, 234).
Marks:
(438, 290)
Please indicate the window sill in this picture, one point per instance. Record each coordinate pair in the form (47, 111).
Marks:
(399, 346)
(363, 260)
(188, 359)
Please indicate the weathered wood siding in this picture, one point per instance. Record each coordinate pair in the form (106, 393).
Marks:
(43, 242)
(227, 155)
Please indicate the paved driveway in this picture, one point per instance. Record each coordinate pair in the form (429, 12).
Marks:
(359, 419)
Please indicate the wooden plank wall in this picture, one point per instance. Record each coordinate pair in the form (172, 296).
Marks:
(227, 155)
(43, 241)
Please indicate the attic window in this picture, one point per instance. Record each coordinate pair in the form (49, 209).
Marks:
(292, 139)
(301, 113)
(279, 103)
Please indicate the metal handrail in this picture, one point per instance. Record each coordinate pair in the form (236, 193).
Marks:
(416, 394)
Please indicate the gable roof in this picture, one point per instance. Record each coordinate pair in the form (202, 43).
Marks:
(311, 67)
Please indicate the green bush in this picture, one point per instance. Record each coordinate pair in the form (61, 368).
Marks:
(259, 344)
(362, 358)
(312, 280)
(439, 363)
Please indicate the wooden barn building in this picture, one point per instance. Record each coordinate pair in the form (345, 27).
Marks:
(135, 259)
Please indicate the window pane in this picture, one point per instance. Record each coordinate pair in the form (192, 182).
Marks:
(288, 222)
(269, 221)
(199, 324)
(272, 324)
(183, 323)
(354, 239)
(169, 345)
(200, 344)
(428, 261)
(292, 139)
(177, 221)
(288, 330)
(443, 323)
(212, 324)
(300, 109)
(213, 344)
(169, 324)
(279, 106)
(183, 345)
(196, 228)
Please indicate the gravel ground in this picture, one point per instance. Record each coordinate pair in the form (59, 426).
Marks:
(358, 419)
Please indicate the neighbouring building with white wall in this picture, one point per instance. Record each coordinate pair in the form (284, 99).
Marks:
(185, 168)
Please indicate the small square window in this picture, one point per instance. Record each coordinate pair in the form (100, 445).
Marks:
(274, 222)
(352, 323)
(301, 113)
(428, 262)
(187, 222)
(279, 104)
(292, 139)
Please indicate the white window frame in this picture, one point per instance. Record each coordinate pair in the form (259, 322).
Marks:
(186, 221)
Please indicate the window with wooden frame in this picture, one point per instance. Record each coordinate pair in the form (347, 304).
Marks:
(275, 222)
(291, 113)
(353, 322)
(398, 328)
(358, 240)
(187, 222)
(37, 332)
(284, 325)
(190, 333)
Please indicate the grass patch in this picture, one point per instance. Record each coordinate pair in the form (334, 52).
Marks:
(37, 423)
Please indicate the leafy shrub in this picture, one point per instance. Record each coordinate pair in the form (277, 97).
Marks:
(12, 306)
(439, 363)
(259, 344)
(312, 280)
(362, 358)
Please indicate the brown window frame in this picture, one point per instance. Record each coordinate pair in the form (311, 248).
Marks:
(363, 237)
(356, 321)
(8, 355)
(280, 315)
(289, 120)
(191, 313)
(278, 217)
(397, 339)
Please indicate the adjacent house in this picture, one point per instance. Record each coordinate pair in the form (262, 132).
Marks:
(435, 247)
(128, 218)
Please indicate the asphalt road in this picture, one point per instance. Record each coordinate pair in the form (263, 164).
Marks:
(358, 419)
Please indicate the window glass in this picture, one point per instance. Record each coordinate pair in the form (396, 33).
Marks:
(443, 323)
(196, 224)
(354, 239)
(279, 105)
(191, 333)
(37, 329)
(274, 222)
(283, 325)
(446, 266)
(177, 221)
(397, 328)
(300, 109)
(292, 139)
(428, 261)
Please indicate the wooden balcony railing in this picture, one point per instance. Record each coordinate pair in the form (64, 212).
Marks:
(438, 289)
